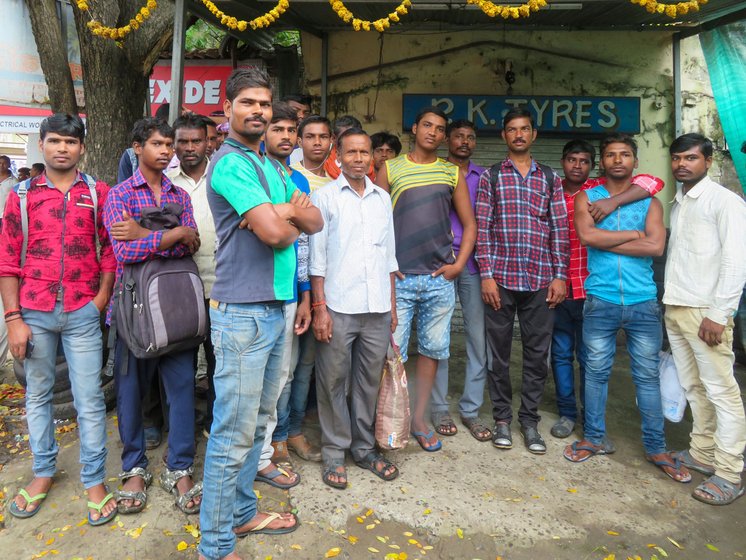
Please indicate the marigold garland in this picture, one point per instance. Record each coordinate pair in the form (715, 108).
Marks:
(257, 23)
(507, 12)
(118, 33)
(379, 25)
(671, 10)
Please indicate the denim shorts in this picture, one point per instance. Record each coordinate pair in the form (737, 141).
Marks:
(432, 300)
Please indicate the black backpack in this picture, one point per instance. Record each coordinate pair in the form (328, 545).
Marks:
(160, 305)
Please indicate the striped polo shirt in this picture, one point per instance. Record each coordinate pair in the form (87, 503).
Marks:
(421, 195)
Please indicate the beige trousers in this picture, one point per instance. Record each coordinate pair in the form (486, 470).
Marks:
(719, 430)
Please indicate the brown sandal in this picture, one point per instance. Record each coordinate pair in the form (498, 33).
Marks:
(444, 424)
(477, 428)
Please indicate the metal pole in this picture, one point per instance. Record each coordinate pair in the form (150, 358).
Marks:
(677, 101)
(324, 71)
(177, 61)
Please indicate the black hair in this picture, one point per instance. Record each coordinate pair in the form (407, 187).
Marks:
(40, 167)
(313, 119)
(162, 112)
(283, 112)
(6, 158)
(63, 124)
(244, 78)
(431, 109)
(344, 122)
(302, 99)
(380, 138)
(207, 120)
(192, 122)
(24, 170)
(618, 138)
(460, 123)
(686, 142)
(145, 128)
(578, 146)
(354, 131)
(518, 113)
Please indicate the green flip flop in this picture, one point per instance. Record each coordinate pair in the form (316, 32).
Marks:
(98, 507)
(15, 511)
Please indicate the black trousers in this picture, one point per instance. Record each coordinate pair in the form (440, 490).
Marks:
(536, 322)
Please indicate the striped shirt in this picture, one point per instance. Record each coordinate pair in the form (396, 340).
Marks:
(314, 181)
(422, 195)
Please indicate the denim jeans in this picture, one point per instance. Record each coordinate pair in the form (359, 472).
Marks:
(80, 331)
(301, 383)
(642, 325)
(469, 288)
(248, 341)
(567, 345)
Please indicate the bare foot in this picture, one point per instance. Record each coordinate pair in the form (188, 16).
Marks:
(40, 485)
(283, 521)
(184, 485)
(133, 484)
(231, 556)
(95, 495)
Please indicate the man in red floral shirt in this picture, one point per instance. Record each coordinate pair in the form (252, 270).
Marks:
(54, 287)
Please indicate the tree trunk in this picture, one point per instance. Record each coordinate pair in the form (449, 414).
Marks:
(53, 58)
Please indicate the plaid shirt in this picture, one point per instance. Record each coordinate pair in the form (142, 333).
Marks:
(522, 237)
(578, 271)
(133, 195)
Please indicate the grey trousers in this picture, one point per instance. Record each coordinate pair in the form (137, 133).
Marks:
(353, 359)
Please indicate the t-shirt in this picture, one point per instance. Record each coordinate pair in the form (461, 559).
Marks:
(314, 181)
(422, 195)
(247, 270)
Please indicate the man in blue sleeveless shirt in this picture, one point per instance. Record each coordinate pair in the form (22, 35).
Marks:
(621, 294)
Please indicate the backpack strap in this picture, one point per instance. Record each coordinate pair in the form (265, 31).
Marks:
(549, 173)
(22, 190)
(91, 182)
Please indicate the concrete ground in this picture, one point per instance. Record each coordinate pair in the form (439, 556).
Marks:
(467, 501)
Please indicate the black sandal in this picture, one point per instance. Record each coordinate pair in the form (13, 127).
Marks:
(330, 469)
(371, 459)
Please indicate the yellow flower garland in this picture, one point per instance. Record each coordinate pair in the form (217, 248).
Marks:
(507, 12)
(671, 10)
(257, 23)
(379, 25)
(118, 33)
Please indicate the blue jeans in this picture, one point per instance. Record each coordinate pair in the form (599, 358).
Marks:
(301, 384)
(469, 287)
(567, 345)
(432, 300)
(80, 331)
(642, 325)
(248, 341)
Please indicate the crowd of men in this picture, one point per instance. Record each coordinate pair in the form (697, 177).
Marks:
(319, 246)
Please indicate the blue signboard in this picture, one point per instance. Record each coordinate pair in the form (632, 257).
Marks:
(555, 114)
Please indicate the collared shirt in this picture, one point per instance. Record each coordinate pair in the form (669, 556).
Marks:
(522, 237)
(197, 190)
(706, 264)
(314, 181)
(6, 185)
(132, 195)
(578, 270)
(473, 172)
(355, 252)
(61, 254)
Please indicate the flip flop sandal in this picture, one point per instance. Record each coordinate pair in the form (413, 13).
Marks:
(134, 495)
(686, 459)
(371, 459)
(262, 529)
(477, 428)
(422, 439)
(331, 469)
(168, 480)
(729, 492)
(15, 511)
(444, 424)
(270, 477)
(671, 463)
(98, 507)
(583, 445)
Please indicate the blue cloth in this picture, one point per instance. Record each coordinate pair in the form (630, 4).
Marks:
(620, 279)
(80, 332)
(301, 384)
(641, 324)
(567, 345)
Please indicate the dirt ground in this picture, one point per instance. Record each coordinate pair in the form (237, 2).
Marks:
(467, 501)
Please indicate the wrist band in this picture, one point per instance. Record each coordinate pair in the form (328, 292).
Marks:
(12, 319)
(13, 312)
(316, 304)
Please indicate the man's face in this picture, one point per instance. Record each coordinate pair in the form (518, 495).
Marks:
(316, 142)
(61, 153)
(281, 138)
(381, 154)
(23, 174)
(461, 142)
(4, 166)
(191, 146)
(354, 156)
(250, 112)
(519, 135)
(301, 109)
(577, 167)
(212, 141)
(156, 152)
(430, 132)
(690, 166)
(619, 161)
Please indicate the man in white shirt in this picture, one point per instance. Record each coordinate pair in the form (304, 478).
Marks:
(705, 274)
(352, 266)
(7, 181)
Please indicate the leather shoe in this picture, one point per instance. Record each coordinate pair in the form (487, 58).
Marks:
(501, 436)
(152, 438)
(300, 446)
(280, 455)
(533, 440)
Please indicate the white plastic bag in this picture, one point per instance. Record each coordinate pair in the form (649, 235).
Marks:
(673, 397)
